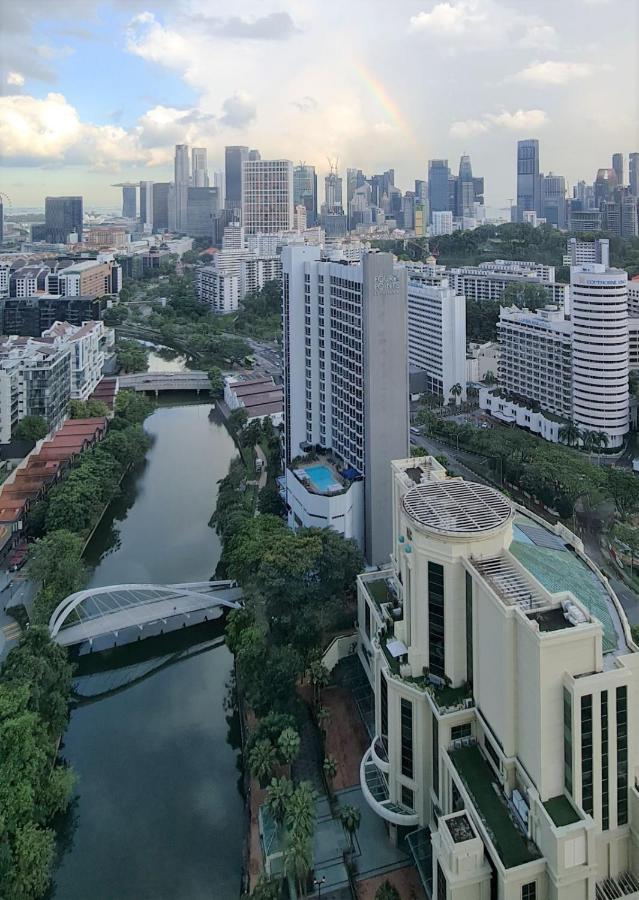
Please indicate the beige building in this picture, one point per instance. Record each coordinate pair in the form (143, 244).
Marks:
(506, 683)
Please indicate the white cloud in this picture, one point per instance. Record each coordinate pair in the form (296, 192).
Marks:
(555, 72)
(15, 79)
(521, 120)
(445, 19)
(483, 23)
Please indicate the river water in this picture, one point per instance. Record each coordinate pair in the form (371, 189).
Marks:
(157, 812)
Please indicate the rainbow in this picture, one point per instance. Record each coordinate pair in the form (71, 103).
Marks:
(375, 87)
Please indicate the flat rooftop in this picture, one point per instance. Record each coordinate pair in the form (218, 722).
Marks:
(455, 506)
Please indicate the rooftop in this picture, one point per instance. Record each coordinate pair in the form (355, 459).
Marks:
(455, 506)
(512, 845)
(561, 811)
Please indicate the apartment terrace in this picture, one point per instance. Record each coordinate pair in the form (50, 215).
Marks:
(481, 784)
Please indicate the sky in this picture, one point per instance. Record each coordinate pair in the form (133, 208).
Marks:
(95, 93)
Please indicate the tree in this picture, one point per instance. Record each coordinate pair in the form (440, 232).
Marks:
(115, 315)
(88, 409)
(237, 420)
(277, 798)
(32, 859)
(132, 407)
(489, 378)
(300, 810)
(132, 356)
(624, 488)
(350, 817)
(329, 767)
(522, 294)
(387, 891)
(56, 562)
(298, 859)
(262, 761)
(288, 745)
(217, 382)
(320, 677)
(31, 428)
(569, 434)
(269, 501)
(266, 889)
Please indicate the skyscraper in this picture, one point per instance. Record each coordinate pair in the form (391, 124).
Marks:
(218, 182)
(617, 165)
(267, 196)
(181, 182)
(553, 199)
(160, 215)
(62, 216)
(234, 158)
(1, 221)
(346, 391)
(199, 169)
(528, 179)
(146, 203)
(605, 184)
(305, 191)
(201, 211)
(438, 188)
(633, 173)
(333, 191)
(465, 188)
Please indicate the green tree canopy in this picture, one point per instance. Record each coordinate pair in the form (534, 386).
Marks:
(31, 428)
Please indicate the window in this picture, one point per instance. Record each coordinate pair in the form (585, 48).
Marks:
(492, 753)
(460, 731)
(435, 755)
(383, 704)
(469, 628)
(605, 787)
(586, 753)
(567, 741)
(622, 755)
(407, 737)
(456, 798)
(441, 884)
(408, 797)
(529, 891)
(436, 653)
(367, 619)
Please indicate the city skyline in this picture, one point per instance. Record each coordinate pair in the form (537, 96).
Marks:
(389, 89)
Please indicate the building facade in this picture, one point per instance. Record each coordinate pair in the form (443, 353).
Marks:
(346, 391)
(267, 195)
(504, 743)
(528, 178)
(62, 216)
(234, 159)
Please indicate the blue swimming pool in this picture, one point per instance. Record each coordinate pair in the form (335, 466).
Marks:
(321, 477)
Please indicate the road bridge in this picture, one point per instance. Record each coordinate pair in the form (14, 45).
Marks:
(103, 617)
(166, 381)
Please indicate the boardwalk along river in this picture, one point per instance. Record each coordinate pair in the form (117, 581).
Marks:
(157, 812)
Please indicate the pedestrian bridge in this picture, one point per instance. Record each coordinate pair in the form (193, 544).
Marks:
(103, 617)
(166, 381)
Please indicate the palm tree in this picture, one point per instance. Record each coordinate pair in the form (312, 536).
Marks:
(266, 889)
(589, 440)
(569, 434)
(323, 716)
(278, 796)
(456, 391)
(330, 767)
(602, 443)
(262, 761)
(319, 678)
(489, 378)
(350, 817)
(387, 891)
(288, 745)
(300, 810)
(298, 859)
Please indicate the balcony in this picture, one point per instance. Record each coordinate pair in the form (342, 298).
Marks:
(480, 782)
(624, 885)
(376, 793)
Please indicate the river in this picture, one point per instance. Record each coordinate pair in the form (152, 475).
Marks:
(157, 812)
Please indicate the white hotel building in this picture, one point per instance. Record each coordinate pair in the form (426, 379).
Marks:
(345, 391)
(505, 744)
(489, 280)
(553, 370)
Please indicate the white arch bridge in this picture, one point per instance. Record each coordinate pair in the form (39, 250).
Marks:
(103, 617)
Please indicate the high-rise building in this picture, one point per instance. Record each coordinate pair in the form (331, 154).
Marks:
(528, 178)
(438, 187)
(553, 200)
(129, 201)
(605, 185)
(442, 222)
(465, 189)
(254, 155)
(199, 168)
(381, 186)
(62, 216)
(201, 212)
(1, 221)
(629, 224)
(581, 252)
(234, 159)
(161, 194)
(617, 165)
(146, 203)
(305, 191)
(633, 174)
(267, 195)
(181, 182)
(333, 191)
(436, 331)
(599, 308)
(219, 183)
(503, 741)
(346, 391)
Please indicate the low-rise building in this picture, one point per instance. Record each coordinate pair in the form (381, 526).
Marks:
(482, 360)
(504, 744)
(489, 280)
(260, 397)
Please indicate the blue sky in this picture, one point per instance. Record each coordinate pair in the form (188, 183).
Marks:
(95, 93)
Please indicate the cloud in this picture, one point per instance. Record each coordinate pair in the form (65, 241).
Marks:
(15, 79)
(555, 72)
(238, 111)
(305, 104)
(277, 26)
(521, 120)
(484, 23)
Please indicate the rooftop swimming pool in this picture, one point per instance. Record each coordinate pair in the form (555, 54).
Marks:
(322, 478)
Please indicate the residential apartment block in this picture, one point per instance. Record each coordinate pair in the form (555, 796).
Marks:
(89, 344)
(346, 391)
(504, 747)
(489, 280)
(236, 270)
(267, 195)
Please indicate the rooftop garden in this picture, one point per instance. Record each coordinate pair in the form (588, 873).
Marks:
(513, 847)
(561, 811)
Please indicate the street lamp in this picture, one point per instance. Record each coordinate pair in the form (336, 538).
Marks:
(318, 882)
